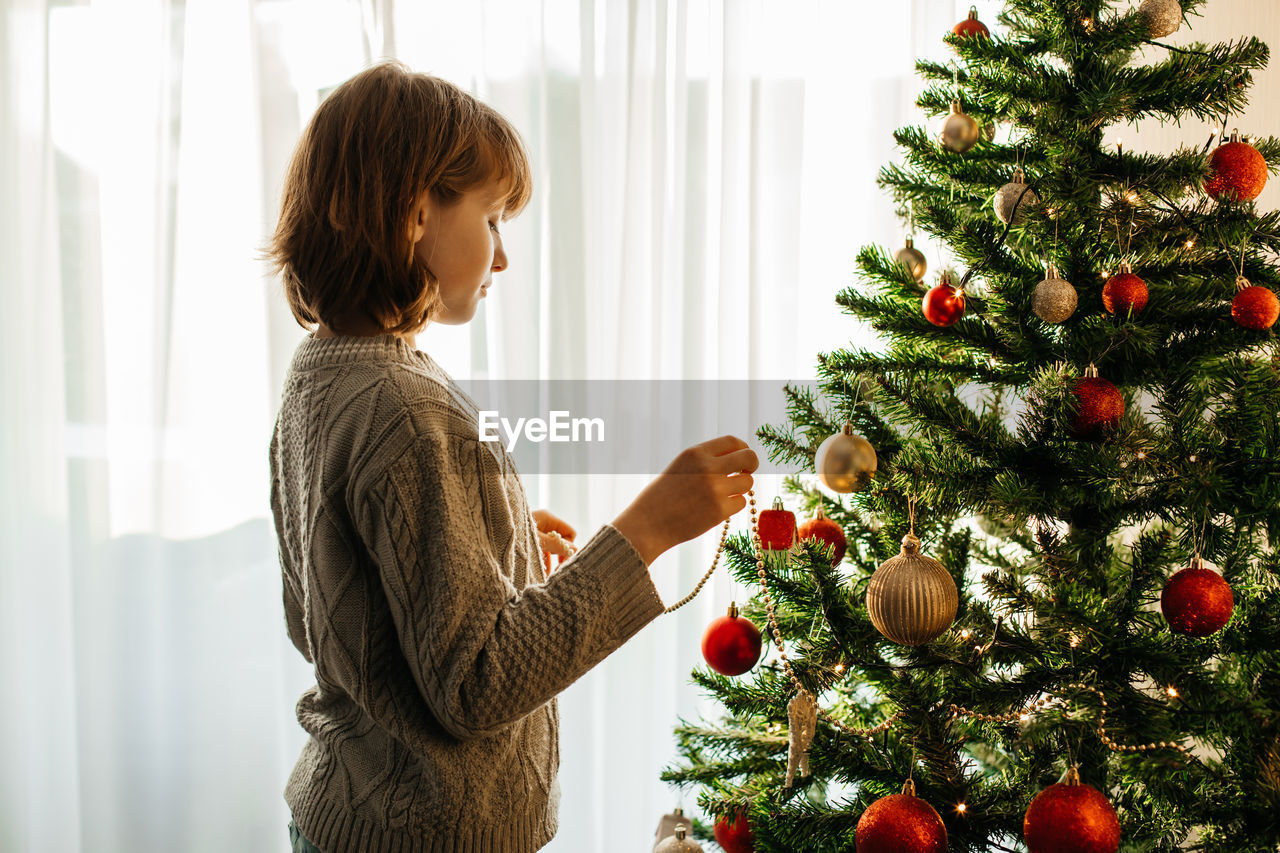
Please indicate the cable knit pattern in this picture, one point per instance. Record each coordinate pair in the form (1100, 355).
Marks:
(413, 582)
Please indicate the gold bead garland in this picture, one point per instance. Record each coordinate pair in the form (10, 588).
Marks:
(960, 711)
(956, 710)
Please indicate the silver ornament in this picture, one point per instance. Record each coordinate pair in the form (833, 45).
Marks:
(678, 843)
(802, 723)
(912, 598)
(1007, 197)
(1054, 299)
(1162, 17)
(959, 131)
(913, 259)
(845, 462)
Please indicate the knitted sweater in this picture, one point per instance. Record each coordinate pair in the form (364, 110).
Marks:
(413, 582)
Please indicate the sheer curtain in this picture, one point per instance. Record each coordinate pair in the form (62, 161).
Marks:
(704, 178)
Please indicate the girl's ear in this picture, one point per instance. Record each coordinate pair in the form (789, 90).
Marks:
(418, 217)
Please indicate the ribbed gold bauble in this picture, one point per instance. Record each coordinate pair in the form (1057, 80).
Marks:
(678, 843)
(911, 598)
(845, 462)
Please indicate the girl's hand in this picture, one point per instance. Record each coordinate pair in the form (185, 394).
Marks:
(555, 536)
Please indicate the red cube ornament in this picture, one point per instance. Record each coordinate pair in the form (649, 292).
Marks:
(778, 531)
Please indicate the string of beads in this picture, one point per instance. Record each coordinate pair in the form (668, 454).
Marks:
(960, 711)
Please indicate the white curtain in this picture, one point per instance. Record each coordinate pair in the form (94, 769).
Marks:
(705, 174)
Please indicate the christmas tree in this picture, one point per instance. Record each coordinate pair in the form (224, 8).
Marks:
(1045, 614)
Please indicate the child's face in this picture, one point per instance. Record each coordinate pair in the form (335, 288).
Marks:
(460, 244)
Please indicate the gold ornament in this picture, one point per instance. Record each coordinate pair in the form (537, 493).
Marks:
(912, 598)
(1015, 194)
(959, 131)
(913, 259)
(1054, 299)
(845, 462)
(802, 723)
(678, 843)
(1162, 17)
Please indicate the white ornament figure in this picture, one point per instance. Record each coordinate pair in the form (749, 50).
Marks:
(802, 717)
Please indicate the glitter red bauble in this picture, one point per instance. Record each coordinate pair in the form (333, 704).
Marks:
(943, 305)
(971, 26)
(1124, 294)
(900, 823)
(1101, 405)
(1066, 818)
(1255, 308)
(824, 529)
(1197, 601)
(1237, 172)
(777, 528)
(731, 643)
(735, 836)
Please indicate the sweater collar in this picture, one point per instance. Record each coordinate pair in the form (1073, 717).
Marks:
(346, 349)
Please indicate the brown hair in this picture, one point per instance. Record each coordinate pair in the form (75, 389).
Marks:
(374, 145)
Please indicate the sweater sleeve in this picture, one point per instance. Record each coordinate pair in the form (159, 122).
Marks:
(483, 653)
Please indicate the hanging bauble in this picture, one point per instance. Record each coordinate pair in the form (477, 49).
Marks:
(959, 131)
(971, 26)
(1071, 817)
(989, 131)
(1254, 307)
(1054, 299)
(901, 823)
(943, 305)
(825, 530)
(1100, 405)
(777, 528)
(913, 259)
(1162, 17)
(1124, 293)
(1237, 171)
(731, 644)
(1015, 194)
(1197, 601)
(735, 835)
(845, 462)
(667, 826)
(911, 598)
(678, 843)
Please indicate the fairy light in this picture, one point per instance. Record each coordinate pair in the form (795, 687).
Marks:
(839, 667)
(1133, 197)
(1192, 458)
(1141, 454)
(1075, 641)
(1087, 22)
(960, 808)
(1172, 691)
(966, 634)
(1191, 244)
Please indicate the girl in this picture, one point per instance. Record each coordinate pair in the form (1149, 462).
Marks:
(411, 566)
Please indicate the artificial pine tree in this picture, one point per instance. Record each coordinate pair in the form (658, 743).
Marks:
(1063, 451)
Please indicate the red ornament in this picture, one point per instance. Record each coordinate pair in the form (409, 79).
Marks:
(1124, 293)
(735, 836)
(777, 528)
(731, 643)
(971, 26)
(1101, 405)
(1237, 171)
(901, 823)
(943, 305)
(1071, 817)
(1197, 601)
(824, 529)
(1254, 307)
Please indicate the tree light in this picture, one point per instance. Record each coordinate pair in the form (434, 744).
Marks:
(960, 808)
(839, 667)
(1172, 691)
(1075, 641)
(1142, 454)
(966, 634)
(1191, 244)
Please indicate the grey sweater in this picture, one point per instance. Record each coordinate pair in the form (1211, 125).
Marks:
(414, 583)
